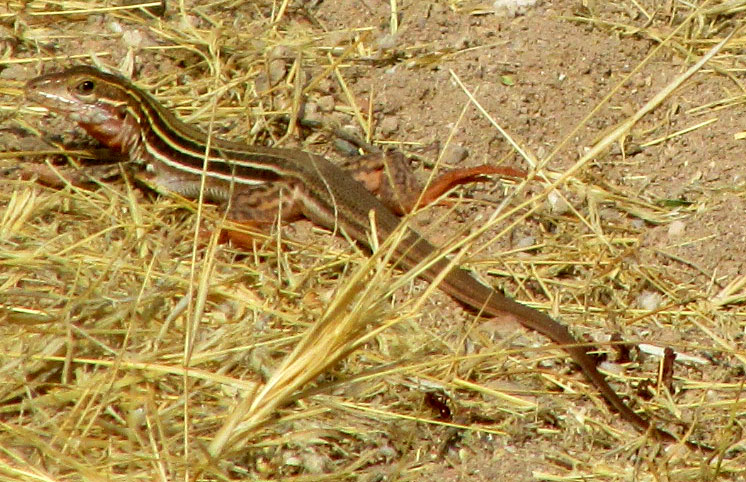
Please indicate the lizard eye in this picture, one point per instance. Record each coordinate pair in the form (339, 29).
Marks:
(86, 87)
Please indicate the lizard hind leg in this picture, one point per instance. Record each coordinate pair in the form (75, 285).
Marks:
(389, 177)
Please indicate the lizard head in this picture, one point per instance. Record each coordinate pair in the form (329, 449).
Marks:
(84, 94)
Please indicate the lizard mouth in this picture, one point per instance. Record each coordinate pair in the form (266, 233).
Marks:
(39, 93)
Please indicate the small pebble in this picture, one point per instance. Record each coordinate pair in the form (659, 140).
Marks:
(676, 229)
(386, 41)
(188, 22)
(454, 154)
(277, 71)
(16, 72)
(278, 59)
(557, 204)
(326, 103)
(649, 300)
(389, 125)
(513, 8)
(313, 463)
(132, 38)
(114, 27)
(525, 242)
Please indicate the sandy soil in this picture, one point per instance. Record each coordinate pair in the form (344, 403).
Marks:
(643, 247)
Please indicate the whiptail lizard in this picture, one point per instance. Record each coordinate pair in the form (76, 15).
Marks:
(250, 178)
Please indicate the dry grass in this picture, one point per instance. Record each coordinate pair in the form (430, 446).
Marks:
(135, 349)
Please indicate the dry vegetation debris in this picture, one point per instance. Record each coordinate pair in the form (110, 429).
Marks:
(132, 348)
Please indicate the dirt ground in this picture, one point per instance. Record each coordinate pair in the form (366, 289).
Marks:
(642, 244)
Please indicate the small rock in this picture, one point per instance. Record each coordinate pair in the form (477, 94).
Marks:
(638, 223)
(387, 41)
(278, 63)
(314, 463)
(345, 147)
(16, 72)
(649, 300)
(326, 103)
(277, 70)
(115, 27)
(188, 22)
(513, 8)
(676, 229)
(454, 154)
(389, 125)
(132, 38)
(525, 242)
(557, 204)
